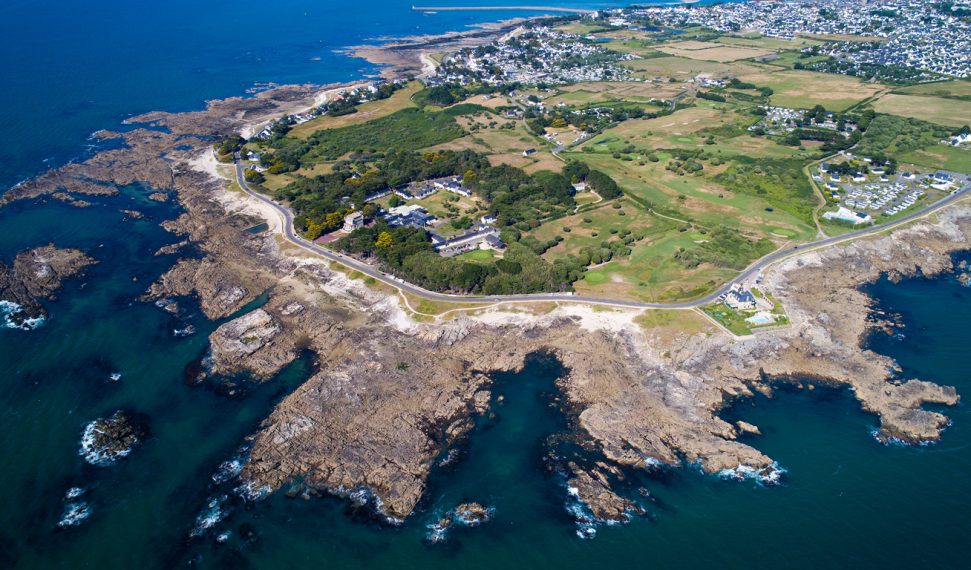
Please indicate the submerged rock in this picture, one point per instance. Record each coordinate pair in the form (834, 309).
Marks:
(76, 510)
(106, 440)
(745, 427)
(466, 514)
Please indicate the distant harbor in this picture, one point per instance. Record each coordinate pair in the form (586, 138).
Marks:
(492, 8)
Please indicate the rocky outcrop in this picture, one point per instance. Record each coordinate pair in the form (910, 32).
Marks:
(251, 338)
(106, 440)
(466, 514)
(34, 275)
(593, 489)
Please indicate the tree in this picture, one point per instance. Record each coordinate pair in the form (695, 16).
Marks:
(314, 229)
(395, 201)
(254, 177)
(333, 219)
(469, 178)
(384, 240)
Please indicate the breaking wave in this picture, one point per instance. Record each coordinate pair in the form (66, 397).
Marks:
(8, 309)
(771, 474)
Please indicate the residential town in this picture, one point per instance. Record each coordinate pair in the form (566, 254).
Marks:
(539, 55)
(932, 37)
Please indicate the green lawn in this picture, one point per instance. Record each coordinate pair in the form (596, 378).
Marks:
(478, 256)
(942, 157)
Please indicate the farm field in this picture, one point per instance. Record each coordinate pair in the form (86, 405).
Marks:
(804, 89)
(948, 112)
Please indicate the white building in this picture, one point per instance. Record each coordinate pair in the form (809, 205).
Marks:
(848, 215)
(353, 221)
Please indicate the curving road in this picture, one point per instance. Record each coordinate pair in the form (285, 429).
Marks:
(287, 215)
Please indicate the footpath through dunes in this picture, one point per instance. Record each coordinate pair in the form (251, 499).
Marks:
(643, 396)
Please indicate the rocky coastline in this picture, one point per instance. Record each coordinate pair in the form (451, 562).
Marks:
(391, 393)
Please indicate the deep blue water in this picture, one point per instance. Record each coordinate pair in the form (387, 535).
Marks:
(70, 68)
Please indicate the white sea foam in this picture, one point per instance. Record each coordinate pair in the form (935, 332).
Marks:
(769, 475)
(210, 516)
(438, 531)
(8, 309)
(74, 514)
(252, 492)
(227, 470)
(188, 330)
(74, 493)
(114, 376)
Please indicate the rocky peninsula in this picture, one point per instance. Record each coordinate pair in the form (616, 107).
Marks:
(391, 393)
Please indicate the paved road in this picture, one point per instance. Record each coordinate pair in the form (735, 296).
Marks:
(751, 270)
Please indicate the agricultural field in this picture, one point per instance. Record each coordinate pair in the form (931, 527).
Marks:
(948, 112)
(805, 89)
(710, 51)
(398, 100)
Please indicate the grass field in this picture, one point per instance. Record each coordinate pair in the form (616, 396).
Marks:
(956, 88)
(941, 157)
(399, 100)
(804, 89)
(948, 112)
(676, 67)
(763, 42)
(599, 92)
(651, 272)
(478, 256)
(710, 51)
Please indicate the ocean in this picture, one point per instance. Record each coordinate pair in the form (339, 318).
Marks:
(71, 68)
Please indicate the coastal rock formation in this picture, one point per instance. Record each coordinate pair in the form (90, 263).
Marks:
(466, 514)
(593, 489)
(641, 401)
(251, 339)
(106, 440)
(390, 394)
(36, 274)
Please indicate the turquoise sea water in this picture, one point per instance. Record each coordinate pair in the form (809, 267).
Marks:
(71, 68)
